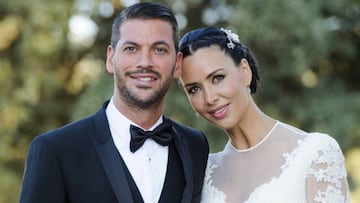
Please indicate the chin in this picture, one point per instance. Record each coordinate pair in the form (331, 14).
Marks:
(223, 125)
(216, 123)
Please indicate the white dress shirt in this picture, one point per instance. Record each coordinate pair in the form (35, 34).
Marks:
(148, 164)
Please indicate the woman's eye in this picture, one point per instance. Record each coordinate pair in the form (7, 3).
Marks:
(217, 78)
(193, 90)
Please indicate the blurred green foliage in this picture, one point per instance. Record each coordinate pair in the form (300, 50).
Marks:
(308, 51)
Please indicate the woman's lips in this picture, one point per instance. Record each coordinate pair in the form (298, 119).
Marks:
(219, 112)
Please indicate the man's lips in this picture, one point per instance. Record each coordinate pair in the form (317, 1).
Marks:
(144, 77)
(144, 74)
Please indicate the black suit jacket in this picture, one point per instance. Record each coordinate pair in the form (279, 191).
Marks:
(79, 163)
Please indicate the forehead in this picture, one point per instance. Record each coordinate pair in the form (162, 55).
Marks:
(205, 60)
(146, 31)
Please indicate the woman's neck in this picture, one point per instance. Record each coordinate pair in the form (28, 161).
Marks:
(251, 130)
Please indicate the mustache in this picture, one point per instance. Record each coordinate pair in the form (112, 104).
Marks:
(144, 71)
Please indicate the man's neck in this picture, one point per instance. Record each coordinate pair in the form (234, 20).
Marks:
(145, 118)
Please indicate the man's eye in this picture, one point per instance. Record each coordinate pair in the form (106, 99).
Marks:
(160, 50)
(217, 78)
(130, 49)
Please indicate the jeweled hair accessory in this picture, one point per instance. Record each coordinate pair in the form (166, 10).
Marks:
(232, 37)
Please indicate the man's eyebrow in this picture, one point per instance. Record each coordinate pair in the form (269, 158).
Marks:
(157, 43)
(129, 43)
(161, 42)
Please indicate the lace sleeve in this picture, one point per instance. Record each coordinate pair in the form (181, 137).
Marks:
(326, 179)
(211, 194)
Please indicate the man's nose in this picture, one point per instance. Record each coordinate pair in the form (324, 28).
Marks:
(145, 60)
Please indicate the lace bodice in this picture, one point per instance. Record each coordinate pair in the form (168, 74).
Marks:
(289, 165)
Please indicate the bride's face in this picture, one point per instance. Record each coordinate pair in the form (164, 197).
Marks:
(217, 88)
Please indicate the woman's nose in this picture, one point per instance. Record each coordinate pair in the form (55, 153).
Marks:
(210, 96)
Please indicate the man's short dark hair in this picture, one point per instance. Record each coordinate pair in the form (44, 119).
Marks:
(144, 11)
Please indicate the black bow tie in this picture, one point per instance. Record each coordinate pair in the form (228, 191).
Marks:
(162, 134)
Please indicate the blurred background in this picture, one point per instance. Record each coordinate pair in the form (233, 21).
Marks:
(52, 69)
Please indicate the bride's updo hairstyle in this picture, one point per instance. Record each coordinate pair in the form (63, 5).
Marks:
(227, 41)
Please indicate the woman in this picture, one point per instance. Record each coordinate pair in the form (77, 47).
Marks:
(265, 159)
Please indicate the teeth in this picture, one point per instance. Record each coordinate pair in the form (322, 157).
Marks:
(220, 110)
(145, 79)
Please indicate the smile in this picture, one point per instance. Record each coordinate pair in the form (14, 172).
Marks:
(145, 79)
(219, 112)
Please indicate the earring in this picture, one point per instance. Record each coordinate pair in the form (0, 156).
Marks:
(197, 115)
(249, 90)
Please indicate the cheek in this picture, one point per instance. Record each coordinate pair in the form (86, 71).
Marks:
(123, 60)
(166, 65)
(227, 88)
(197, 103)
(118, 63)
(233, 86)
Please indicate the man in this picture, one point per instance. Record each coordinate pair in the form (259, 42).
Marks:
(94, 159)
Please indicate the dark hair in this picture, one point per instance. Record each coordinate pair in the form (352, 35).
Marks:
(144, 11)
(206, 37)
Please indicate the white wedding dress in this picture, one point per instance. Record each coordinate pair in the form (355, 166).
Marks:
(287, 166)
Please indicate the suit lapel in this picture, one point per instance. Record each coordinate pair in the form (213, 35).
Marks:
(183, 151)
(110, 157)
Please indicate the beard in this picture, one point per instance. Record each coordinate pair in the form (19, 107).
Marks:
(133, 99)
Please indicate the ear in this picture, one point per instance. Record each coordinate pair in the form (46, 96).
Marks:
(178, 66)
(246, 71)
(109, 60)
